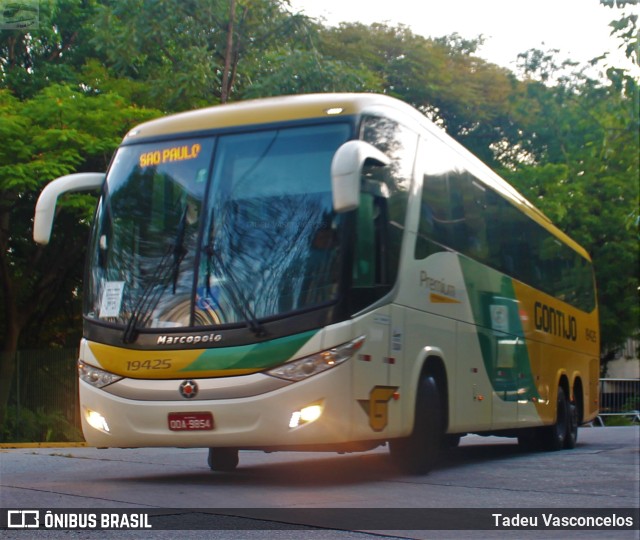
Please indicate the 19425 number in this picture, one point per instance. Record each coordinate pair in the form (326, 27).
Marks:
(156, 363)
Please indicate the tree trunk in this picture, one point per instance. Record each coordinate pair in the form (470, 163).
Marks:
(8, 367)
(225, 90)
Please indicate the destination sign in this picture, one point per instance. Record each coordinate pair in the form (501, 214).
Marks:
(169, 155)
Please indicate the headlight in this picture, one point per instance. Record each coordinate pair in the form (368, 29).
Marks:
(317, 363)
(95, 376)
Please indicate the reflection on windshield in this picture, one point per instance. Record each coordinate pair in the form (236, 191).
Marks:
(272, 235)
(265, 224)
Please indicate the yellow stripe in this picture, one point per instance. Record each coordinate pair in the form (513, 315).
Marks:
(441, 299)
(158, 364)
(9, 446)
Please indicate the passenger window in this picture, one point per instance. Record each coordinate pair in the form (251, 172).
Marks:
(461, 213)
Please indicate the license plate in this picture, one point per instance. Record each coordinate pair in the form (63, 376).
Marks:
(196, 421)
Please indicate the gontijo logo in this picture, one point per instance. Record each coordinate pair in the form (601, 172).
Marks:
(555, 322)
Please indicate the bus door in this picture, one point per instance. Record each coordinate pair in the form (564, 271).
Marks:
(371, 372)
(373, 393)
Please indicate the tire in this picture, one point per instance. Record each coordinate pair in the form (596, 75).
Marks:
(529, 439)
(419, 453)
(223, 459)
(571, 438)
(451, 441)
(553, 437)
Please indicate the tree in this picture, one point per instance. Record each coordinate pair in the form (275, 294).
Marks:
(190, 53)
(578, 162)
(300, 71)
(52, 53)
(469, 97)
(57, 132)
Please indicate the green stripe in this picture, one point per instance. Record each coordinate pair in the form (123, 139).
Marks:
(262, 355)
(489, 289)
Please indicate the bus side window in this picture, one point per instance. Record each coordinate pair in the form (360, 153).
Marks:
(381, 216)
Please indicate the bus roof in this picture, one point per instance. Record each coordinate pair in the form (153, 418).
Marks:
(318, 106)
(262, 111)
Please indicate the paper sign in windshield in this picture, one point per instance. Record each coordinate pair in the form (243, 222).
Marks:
(111, 299)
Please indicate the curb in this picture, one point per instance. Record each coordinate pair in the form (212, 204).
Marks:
(9, 446)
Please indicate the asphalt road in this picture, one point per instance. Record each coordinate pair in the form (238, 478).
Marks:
(602, 473)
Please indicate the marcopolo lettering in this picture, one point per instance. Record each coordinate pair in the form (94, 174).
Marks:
(188, 340)
(555, 322)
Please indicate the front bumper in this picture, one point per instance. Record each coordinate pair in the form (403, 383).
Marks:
(254, 421)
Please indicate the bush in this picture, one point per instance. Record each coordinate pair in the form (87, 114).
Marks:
(618, 421)
(24, 425)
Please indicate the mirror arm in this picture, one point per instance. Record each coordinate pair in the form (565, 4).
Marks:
(46, 205)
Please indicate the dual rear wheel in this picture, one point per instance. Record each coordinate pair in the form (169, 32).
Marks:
(562, 434)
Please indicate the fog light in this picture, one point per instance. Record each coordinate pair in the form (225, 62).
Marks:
(306, 415)
(96, 420)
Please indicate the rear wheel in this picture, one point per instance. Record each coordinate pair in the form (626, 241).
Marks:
(529, 439)
(571, 438)
(418, 453)
(554, 437)
(223, 459)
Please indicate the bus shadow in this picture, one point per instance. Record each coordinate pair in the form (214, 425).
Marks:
(478, 452)
(331, 470)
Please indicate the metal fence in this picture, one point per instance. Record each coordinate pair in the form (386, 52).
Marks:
(620, 397)
(43, 400)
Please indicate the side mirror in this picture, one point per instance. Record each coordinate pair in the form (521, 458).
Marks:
(346, 172)
(46, 205)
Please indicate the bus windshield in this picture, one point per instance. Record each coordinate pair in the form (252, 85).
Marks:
(217, 230)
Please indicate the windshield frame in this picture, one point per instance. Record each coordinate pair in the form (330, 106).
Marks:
(306, 317)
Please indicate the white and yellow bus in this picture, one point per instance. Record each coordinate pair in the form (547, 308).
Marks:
(324, 272)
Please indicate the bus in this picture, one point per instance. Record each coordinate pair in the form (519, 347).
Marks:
(324, 272)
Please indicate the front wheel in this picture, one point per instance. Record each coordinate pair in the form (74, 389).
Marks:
(418, 453)
(223, 459)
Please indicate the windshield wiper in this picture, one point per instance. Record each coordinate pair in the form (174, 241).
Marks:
(167, 269)
(179, 250)
(240, 304)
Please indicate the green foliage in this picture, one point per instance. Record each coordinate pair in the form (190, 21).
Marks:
(52, 53)
(469, 97)
(626, 27)
(580, 139)
(619, 421)
(179, 49)
(301, 72)
(56, 132)
(71, 88)
(24, 425)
